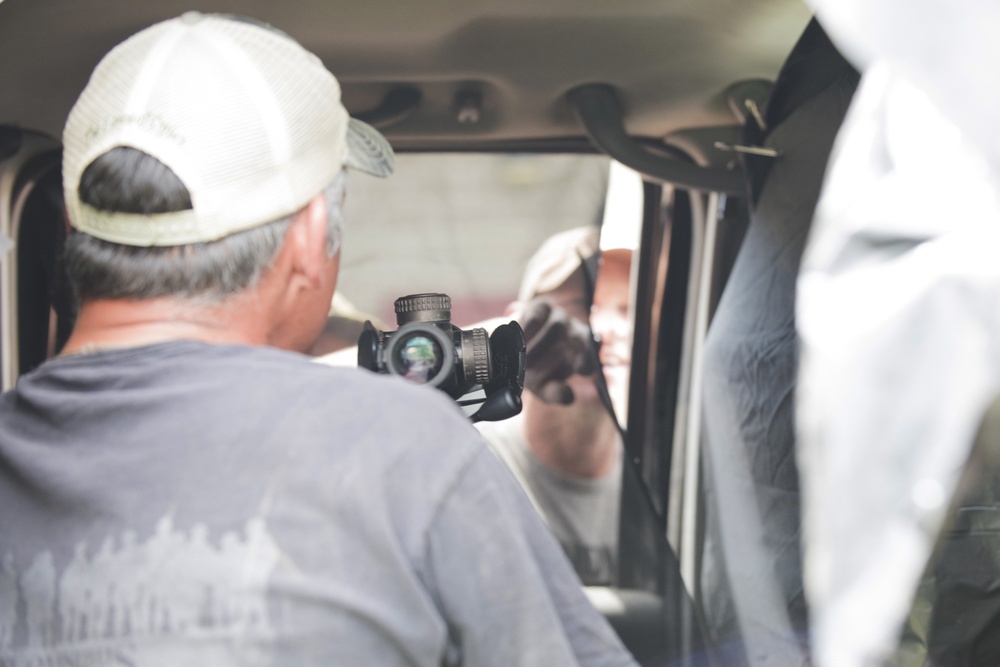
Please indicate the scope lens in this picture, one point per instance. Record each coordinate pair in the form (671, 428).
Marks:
(419, 358)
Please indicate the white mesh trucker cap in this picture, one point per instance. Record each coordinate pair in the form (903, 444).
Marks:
(250, 122)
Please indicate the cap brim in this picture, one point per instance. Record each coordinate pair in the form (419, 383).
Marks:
(368, 150)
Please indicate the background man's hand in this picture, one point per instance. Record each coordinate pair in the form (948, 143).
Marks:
(559, 346)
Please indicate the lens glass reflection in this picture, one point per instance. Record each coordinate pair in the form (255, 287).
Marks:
(419, 358)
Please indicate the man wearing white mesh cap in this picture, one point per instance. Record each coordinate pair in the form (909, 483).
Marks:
(181, 485)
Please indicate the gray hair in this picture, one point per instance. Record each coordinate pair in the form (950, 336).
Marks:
(205, 273)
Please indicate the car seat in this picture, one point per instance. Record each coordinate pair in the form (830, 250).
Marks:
(751, 573)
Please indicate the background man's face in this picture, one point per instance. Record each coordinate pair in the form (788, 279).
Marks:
(609, 319)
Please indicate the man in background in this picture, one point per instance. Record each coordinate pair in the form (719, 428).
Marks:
(565, 446)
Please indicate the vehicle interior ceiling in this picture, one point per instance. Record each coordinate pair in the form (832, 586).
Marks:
(662, 86)
(508, 65)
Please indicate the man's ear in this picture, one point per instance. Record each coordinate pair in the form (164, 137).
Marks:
(307, 236)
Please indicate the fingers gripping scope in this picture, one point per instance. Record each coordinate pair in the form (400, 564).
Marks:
(428, 349)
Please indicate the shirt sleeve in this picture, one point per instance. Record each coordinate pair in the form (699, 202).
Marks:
(506, 590)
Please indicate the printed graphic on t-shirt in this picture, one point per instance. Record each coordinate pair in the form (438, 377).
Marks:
(110, 602)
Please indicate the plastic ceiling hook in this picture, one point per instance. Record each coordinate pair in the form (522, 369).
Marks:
(469, 107)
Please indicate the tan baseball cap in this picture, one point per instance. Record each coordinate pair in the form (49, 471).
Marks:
(560, 257)
(251, 123)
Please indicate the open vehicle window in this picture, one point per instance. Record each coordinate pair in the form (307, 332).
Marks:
(499, 234)
(518, 236)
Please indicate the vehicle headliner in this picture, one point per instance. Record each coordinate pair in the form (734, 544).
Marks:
(670, 61)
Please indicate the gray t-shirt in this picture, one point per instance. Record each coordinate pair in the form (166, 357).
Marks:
(582, 513)
(194, 504)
